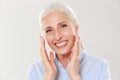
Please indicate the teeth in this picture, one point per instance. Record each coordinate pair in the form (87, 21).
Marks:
(61, 44)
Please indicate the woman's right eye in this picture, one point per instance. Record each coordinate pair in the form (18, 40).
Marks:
(48, 30)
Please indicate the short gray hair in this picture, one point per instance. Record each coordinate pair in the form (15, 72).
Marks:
(59, 7)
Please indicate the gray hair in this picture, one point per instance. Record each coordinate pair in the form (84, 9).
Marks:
(60, 7)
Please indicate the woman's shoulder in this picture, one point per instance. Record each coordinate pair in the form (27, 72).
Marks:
(93, 67)
(36, 66)
(35, 71)
(89, 58)
(92, 64)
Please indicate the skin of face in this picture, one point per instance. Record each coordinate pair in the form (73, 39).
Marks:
(59, 32)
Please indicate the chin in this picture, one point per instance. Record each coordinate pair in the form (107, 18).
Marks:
(62, 51)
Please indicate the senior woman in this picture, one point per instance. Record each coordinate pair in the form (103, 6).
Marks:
(69, 61)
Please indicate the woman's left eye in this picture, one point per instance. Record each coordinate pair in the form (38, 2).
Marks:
(64, 25)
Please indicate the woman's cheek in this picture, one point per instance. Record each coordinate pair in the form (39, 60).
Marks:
(67, 32)
(49, 38)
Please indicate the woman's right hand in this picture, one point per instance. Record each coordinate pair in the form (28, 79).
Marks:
(49, 64)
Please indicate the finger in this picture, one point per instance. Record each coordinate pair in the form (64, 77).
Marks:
(78, 41)
(77, 45)
(51, 56)
(76, 48)
(52, 60)
(77, 31)
(43, 52)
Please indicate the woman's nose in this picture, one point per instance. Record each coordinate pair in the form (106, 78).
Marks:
(58, 35)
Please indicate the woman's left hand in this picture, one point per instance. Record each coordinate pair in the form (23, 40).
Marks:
(73, 69)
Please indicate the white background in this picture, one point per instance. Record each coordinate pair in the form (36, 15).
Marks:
(19, 33)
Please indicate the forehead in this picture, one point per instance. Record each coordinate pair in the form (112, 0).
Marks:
(54, 18)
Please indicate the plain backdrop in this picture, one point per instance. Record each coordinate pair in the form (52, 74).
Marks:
(20, 31)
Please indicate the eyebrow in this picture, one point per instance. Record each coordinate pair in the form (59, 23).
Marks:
(47, 27)
(62, 22)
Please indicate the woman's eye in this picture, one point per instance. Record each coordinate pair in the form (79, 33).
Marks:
(64, 25)
(48, 31)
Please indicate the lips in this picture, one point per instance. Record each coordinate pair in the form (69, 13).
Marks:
(61, 44)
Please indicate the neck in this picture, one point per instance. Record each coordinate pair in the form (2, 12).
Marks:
(64, 59)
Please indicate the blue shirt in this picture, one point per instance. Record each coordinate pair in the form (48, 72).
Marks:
(91, 68)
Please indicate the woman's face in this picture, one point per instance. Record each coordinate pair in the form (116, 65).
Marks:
(59, 32)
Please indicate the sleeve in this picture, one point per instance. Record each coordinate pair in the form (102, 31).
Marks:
(34, 73)
(105, 72)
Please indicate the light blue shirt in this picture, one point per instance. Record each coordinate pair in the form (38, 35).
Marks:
(91, 68)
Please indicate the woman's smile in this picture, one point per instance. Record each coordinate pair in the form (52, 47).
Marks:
(61, 44)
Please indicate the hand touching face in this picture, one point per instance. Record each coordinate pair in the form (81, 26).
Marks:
(62, 36)
(73, 69)
(48, 63)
